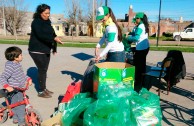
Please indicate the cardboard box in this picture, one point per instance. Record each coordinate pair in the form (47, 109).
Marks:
(113, 73)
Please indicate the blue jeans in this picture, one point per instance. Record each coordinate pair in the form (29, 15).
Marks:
(19, 111)
(116, 56)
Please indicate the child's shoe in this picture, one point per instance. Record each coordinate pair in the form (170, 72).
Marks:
(15, 121)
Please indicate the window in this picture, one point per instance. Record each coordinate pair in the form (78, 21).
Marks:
(57, 28)
(189, 30)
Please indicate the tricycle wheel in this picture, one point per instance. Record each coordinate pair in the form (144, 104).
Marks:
(33, 118)
(3, 114)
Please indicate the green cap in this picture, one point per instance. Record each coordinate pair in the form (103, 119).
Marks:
(101, 12)
(139, 15)
(133, 20)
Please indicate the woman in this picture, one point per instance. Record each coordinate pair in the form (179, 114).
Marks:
(42, 40)
(112, 36)
(140, 38)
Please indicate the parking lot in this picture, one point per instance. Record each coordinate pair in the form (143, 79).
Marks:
(69, 65)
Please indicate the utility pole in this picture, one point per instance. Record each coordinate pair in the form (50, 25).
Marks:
(159, 24)
(106, 2)
(93, 17)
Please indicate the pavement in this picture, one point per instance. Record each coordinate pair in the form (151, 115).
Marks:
(69, 65)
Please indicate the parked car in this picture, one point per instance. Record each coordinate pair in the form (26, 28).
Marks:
(188, 33)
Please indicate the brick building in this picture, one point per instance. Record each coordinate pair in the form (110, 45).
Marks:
(166, 25)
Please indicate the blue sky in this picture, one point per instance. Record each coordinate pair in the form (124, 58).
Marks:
(169, 8)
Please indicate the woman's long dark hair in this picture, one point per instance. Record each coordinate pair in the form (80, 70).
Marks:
(115, 21)
(145, 22)
(40, 8)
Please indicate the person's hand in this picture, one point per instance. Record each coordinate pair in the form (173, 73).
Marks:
(97, 58)
(58, 40)
(54, 53)
(30, 82)
(126, 35)
(9, 89)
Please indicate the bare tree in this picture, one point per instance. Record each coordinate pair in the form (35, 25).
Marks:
(81, 12)
(15, 13)
(74, 13)
(80, 15)
(89, 13)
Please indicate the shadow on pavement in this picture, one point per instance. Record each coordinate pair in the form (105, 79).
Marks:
(74, 76)
(151, 81)
(177, 114)
(183, 92)
(177, 111)
(32, 72)
(83, 56)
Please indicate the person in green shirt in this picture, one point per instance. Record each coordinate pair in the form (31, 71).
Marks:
(112, 37)
(140, 38)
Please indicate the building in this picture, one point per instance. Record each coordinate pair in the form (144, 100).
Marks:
(58, 23)
(167, 25)
(62, 28)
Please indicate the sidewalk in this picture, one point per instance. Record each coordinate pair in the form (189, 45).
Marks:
(69, 65)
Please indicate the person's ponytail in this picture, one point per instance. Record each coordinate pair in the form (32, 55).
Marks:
(145, 22)
(115, 21)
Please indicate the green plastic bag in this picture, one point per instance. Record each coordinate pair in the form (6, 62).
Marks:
(62, 106)
(112, 91)
(146, 109)
(112, 112)
(127, 46)
(73, 109)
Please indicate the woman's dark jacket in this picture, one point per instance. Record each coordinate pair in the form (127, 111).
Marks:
(42, 36)
(178, 69)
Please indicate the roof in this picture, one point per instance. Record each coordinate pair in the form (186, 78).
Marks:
(190, 26)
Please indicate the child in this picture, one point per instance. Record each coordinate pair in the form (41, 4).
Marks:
(13, 76)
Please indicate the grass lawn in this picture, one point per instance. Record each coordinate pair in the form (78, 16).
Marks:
(93, 45)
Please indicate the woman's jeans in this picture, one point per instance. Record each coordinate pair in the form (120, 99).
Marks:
(116, 56)
(42, 63)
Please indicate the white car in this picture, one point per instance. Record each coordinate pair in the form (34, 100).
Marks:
(188, 33)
